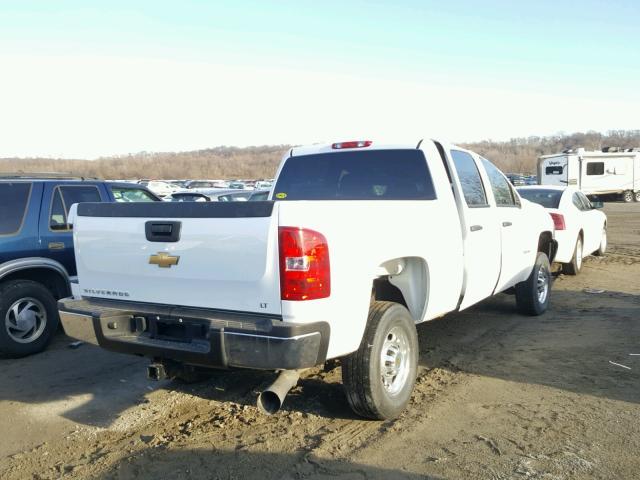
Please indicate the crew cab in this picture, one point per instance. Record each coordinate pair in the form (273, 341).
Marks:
(359, 243)
(37, 265)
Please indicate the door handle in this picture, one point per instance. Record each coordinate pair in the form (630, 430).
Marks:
(506, 224)
(56, 246)
(475, 228)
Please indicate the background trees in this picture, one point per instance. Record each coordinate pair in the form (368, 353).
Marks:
(516, 155)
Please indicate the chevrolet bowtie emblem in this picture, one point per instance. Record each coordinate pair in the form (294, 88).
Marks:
(163, 260)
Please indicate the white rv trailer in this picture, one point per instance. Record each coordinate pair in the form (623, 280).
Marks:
(611, 171)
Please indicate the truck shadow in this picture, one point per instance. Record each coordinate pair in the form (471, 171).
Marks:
(208, 463)
(567, 348)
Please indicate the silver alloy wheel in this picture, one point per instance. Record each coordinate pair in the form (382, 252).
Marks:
(542, 284)
(395, 360)
(628, 196)
(25, 320)
(579, 253)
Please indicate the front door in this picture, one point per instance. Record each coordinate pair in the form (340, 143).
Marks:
(481, 235)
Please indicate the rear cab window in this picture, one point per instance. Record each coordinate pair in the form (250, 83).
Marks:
(63, 197)
(14, 200)
(392, 174)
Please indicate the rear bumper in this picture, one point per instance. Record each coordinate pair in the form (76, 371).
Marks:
(193, 336)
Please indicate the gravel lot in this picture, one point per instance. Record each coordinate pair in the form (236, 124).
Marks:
(499, 395)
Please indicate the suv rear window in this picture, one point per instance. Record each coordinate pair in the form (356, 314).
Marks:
(13, 206)
(356, 175)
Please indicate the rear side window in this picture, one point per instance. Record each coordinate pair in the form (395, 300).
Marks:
(470, 180)
(546, 197)
(500, 185)
(122, 195)
(14, 198)
(64, 197)
(595, 168)
(356, 175)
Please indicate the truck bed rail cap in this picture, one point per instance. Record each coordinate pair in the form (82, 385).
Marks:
(177, 210)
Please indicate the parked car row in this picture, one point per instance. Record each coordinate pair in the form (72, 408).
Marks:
(165, 188)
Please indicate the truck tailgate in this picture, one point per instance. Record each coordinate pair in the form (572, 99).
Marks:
(225, 256)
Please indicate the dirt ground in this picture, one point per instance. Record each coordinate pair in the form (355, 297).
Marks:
(498, 396)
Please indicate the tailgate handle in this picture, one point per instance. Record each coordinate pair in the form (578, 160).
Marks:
(162, 231)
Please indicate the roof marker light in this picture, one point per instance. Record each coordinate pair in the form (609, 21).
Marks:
(352, 144)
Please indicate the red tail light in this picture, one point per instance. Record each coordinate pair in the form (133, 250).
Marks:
(558, 220)
(304, 264)
(353, 144)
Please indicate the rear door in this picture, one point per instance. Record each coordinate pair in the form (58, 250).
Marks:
(515, 261)
(480, 231)
(56, 236)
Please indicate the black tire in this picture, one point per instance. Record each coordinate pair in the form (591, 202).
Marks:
(636, 196)
(628, 196)
(362, 370)
(575, 265)
(603, 243)
(528, 298)
(15, 295)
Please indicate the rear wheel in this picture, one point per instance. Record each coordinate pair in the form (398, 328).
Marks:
(379, 377)
(574, 267)
(628, 196)
(603, 243)
(532, 295)
(636, 196)
(29, 317)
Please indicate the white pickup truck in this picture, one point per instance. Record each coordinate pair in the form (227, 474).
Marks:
(362, 243)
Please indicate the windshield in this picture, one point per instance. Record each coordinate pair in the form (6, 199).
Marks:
(542, 196)
(356, 175)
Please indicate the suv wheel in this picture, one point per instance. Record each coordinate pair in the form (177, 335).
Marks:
(532, 295)
(29, 317)
(378, 378)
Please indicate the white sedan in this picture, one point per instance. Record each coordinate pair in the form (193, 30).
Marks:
(581, 229)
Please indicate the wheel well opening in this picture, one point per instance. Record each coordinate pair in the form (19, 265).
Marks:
(383, 290)
(547, 245)
(53, 281)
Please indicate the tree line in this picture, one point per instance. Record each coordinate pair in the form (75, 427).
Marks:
(515, 155)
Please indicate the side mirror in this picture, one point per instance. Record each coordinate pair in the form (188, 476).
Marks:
(597, 204)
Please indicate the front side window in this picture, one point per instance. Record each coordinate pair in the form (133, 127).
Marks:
(14, 198)
(499, 185)
(585, 201)
(595, 168)
(470, 180)
(64, 197)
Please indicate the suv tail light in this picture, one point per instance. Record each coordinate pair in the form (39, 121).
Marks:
(304, 264)
(353, 144)
(558, 221)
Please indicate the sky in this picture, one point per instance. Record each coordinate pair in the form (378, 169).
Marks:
(84, 79)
